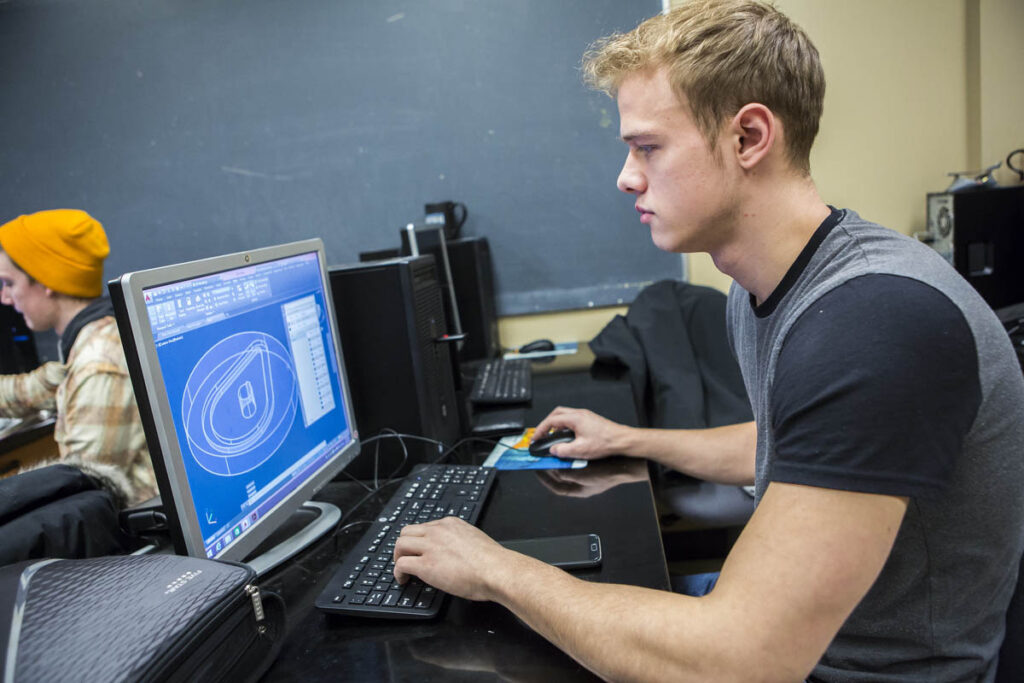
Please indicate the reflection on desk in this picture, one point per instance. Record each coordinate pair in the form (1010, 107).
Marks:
(596, 478)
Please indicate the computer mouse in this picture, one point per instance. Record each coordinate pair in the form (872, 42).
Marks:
(541, 446)
(537, 345)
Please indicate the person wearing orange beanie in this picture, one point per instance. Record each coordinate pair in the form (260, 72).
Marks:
(51, 271)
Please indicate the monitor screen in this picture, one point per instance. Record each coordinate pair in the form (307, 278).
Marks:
(17, 345)
(244, 390)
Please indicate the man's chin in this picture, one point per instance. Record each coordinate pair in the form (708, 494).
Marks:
(668, 243)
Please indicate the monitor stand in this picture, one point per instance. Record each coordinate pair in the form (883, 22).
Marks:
(307, 524)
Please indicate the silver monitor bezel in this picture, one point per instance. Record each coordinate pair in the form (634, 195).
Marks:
(188, 536)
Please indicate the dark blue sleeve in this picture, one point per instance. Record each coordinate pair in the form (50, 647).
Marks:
(875, 389)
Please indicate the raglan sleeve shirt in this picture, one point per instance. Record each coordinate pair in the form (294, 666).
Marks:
(875, 389)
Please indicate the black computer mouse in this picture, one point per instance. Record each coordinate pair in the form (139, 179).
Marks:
(541, 446)
(537, 345)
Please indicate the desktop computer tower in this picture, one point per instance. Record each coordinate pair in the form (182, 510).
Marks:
(473, 279)
(473, 274)
(392, 324)
(981, 233)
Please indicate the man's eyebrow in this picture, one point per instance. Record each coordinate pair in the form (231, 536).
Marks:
(630, 137)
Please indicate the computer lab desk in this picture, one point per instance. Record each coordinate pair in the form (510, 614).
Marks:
(27, 443)
(471, 641)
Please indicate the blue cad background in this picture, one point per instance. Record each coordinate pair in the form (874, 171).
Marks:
(223, 496)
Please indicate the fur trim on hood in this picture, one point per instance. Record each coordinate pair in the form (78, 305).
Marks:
(107, 477)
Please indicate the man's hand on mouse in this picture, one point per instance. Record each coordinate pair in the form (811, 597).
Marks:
(596, 437)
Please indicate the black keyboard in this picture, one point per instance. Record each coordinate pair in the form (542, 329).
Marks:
(503, 381)
(365, 584)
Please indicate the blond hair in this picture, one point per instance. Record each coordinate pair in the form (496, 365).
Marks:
(721, 55)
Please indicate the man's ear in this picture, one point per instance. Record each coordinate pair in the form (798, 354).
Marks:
(754, 129)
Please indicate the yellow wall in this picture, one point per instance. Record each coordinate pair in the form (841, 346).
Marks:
(1001, 97)
(915, 89)
(515, 331)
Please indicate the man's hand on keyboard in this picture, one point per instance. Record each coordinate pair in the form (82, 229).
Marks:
(452, 556)
(596, 437)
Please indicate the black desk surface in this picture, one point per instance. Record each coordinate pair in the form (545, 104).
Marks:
(479, 641)
(29, 429)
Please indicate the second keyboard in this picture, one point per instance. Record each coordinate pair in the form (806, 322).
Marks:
(500, 381)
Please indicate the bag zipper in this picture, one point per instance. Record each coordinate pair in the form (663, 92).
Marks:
(253, 591)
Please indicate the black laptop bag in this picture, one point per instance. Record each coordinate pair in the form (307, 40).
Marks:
(136, 618)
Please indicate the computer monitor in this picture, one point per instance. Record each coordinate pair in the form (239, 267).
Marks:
(237, 368)
(17, 345)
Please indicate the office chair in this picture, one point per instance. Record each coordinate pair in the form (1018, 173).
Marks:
(674, 343)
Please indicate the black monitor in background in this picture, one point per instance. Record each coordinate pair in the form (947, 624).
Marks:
(238, 372)
(17, 344)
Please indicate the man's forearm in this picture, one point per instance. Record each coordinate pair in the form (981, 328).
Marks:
(721, 454)
(618, 632)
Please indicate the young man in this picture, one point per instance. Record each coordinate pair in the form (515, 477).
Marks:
(888, 404)
(51, 271)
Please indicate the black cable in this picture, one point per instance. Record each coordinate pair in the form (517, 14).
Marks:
(363, 500)
(353, 524)
(378, 486)
(386, 432)
(392, 434)
(468, 439)
(1019, 170)
(358, 481)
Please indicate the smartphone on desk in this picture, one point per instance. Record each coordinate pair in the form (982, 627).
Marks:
(569, 552)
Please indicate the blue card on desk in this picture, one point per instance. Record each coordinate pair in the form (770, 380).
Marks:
(512, 453)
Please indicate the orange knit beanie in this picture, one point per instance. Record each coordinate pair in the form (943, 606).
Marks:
(62, 249)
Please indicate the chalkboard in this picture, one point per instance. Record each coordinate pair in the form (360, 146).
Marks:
(192, 128)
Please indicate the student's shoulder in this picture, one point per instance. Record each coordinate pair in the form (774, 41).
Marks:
(98, 348)
(884, 306)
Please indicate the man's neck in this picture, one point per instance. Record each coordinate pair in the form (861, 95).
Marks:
(68, 308)
(774, 224)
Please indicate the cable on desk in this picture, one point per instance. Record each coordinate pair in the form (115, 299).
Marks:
(386, 433)
(391, 479)
(353, 524)
(476, 439)
(392, 434)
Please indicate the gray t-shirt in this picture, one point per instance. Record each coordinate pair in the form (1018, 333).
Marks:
(875, 367)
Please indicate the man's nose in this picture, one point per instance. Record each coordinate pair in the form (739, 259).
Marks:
(630, 179)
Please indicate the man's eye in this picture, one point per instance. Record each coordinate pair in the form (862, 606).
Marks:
(645, 149)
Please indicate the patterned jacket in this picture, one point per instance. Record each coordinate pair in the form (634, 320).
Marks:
(97, 418)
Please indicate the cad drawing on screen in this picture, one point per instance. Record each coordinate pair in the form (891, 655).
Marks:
(239, 403)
